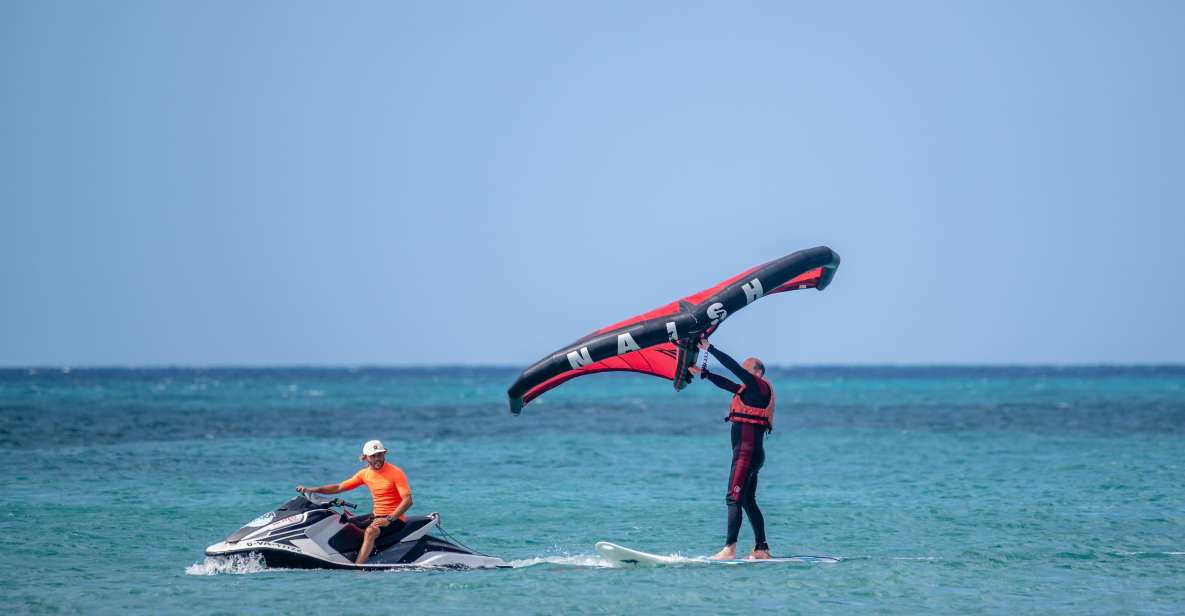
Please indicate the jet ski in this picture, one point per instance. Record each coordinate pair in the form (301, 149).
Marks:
(311, 532)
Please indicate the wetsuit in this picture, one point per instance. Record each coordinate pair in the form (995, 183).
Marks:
(748, 449)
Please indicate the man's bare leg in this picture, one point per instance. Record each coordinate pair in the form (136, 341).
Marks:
(728, 553)
(368, 537)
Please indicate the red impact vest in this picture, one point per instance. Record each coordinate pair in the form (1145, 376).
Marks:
(739, 412)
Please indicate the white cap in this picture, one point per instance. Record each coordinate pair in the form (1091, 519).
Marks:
(373, 447)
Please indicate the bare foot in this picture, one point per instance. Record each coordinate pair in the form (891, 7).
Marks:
(728, 553)
(758, 555)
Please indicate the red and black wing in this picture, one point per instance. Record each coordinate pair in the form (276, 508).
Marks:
(662, 341)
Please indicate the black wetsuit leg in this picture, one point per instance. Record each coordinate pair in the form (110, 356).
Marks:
(748, 454)
(753, 512)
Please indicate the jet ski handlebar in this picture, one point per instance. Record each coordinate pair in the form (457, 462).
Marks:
(337, 502)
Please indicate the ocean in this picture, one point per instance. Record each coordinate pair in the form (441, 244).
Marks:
(994, 490)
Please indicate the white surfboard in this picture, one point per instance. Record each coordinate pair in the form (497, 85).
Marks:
(621, 555)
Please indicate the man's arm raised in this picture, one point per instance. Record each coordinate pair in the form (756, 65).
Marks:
(725, 360)
(715, 379)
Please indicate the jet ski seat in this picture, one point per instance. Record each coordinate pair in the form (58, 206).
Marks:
(349, 538)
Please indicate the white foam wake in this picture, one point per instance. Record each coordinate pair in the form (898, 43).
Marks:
(237, 564)
(580, 560)
(585, 560)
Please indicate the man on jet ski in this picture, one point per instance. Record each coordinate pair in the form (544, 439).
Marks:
(389, 489)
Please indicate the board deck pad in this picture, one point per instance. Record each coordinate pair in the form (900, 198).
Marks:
(622, 555)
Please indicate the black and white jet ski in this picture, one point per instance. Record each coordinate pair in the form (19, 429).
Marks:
(308, 533)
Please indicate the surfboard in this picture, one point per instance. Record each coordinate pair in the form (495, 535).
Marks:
(621, 555)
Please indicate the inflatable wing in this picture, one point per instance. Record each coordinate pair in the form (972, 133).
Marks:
(663, 341)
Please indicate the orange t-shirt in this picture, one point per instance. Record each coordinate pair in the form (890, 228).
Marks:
(388, 487)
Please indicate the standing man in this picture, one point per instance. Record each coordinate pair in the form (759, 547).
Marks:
(751, 414)
(389, 489)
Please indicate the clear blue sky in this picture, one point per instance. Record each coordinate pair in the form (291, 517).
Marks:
(483, 182)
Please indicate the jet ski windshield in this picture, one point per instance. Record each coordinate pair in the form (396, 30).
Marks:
(321, 501)
(295, 506)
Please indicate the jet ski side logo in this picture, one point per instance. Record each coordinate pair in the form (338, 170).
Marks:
(271, 544)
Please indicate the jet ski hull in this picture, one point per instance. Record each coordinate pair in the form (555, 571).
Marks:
(276, 558)
(303, 534)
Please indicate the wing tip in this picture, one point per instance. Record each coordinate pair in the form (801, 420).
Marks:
(828, 270)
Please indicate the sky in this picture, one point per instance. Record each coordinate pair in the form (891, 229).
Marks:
(398, 183)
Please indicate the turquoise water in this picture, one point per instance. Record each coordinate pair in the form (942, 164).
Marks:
(991, 490)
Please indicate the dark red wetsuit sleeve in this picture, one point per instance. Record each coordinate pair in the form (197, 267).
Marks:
(721, 382)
